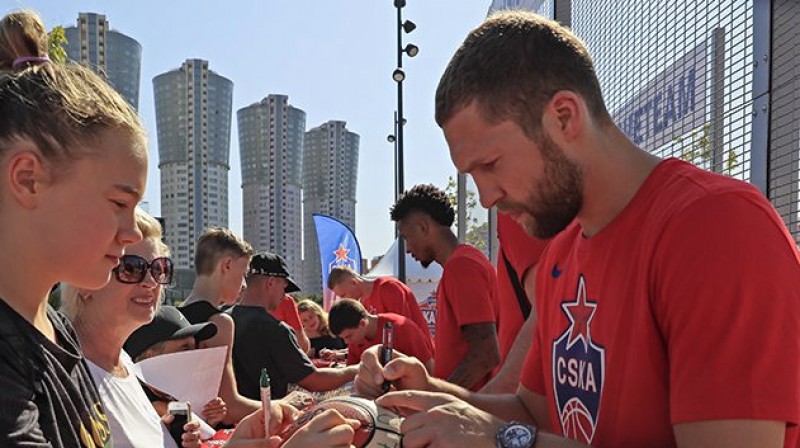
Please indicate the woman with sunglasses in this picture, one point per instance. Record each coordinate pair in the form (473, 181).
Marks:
(104, 319)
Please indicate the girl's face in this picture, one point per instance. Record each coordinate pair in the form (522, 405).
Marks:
(86, 216)
(310, 321)
(127, 306)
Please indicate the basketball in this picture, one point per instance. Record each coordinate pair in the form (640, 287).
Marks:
(380, 427)
(576, 422)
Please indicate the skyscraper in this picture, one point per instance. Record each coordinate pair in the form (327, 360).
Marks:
(271, 136)
(330, 169)
(193, 120)
(108, 52)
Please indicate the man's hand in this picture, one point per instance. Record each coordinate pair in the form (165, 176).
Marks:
(327, 354)
(441, 420)
(403, 371)
(252, 426)
(326, 430)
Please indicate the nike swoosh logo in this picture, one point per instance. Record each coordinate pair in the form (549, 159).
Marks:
(555, 272)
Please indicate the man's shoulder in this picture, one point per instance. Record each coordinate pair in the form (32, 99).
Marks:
(388, 283)
(466, 256)
(253, 316)
(393, 318)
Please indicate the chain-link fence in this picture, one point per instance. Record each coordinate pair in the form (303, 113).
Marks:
(713, 82)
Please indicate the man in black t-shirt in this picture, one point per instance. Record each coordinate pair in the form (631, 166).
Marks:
(261, 340)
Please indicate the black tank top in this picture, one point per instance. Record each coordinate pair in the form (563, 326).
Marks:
(199, 312)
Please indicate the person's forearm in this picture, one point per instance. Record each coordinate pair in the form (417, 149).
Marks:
(478, 362)
(238, 406)
(303, 342)
(504, 406)
(507, 379)
(328, 378)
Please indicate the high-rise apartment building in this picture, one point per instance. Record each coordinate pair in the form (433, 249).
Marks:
(193, 120)
(271, 136)
(330, 170)
(110, 53)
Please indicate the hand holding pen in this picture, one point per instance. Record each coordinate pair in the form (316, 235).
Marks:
(386, 351)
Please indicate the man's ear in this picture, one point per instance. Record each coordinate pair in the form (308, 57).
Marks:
(225, 264)
(423, 225)
(565, 116)
(26, 177)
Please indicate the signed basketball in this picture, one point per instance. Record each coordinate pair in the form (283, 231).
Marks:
(380, 427)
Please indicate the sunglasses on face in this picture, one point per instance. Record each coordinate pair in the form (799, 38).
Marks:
(133, 268)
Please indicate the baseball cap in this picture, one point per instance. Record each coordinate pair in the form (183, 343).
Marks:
(167, 324)
(272, 265)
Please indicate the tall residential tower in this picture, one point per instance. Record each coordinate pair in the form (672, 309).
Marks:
(193, 119)
(271, 146)
(330, 169)
(108, 52)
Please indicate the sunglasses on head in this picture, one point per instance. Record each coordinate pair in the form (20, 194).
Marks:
(133, 269)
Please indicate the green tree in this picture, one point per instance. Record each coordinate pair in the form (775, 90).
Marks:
(476, 234)
(58, 40)
(698, 150)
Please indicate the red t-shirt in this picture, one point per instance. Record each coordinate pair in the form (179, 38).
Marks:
(467, 294)
(684, 308)
(287, 312)
(408, 339)
(390, 295)
(523, 252)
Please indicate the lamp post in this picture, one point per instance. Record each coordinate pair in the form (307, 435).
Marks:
(399, 76)
(392, 138)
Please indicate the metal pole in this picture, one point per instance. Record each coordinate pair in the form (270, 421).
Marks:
(461, 210)
(762, 72)
(401, 244)
(397, 189)
(718, 101)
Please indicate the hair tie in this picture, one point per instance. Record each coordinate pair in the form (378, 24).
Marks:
(29, 59)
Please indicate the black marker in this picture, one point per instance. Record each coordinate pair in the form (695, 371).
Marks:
(386, 351)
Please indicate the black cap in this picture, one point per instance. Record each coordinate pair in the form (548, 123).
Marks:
(272, 265)
(167, 324)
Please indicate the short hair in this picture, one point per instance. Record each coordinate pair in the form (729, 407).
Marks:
(344, 314)
(339, 274)
(215, 243)
(511, 65)
(72, 304)
(60, 107)
(427, 199)
(312, 307)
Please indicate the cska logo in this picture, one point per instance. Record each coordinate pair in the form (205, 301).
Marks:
(340, 258)
(578, 369)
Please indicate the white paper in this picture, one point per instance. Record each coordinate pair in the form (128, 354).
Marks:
(192, 375)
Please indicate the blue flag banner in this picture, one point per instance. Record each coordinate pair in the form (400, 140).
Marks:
(338, 246)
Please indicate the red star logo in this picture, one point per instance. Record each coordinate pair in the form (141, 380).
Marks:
(580, 314)
(341, 253)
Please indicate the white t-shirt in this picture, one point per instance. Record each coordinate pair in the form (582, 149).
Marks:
(133, 420)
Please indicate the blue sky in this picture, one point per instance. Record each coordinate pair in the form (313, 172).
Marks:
(333, 58)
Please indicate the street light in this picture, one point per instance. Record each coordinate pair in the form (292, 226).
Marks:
(399, 123)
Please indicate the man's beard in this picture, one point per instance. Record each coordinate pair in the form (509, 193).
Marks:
(557, 198)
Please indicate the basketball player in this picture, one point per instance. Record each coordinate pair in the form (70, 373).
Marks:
(668, 298)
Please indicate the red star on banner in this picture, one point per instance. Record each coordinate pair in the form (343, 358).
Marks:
(341, 253)
(580, 313)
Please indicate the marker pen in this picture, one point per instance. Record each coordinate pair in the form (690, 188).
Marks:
(386, 351)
